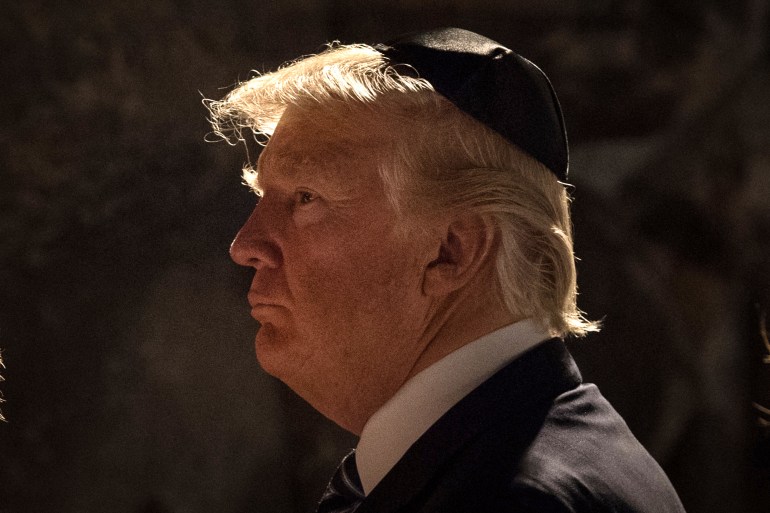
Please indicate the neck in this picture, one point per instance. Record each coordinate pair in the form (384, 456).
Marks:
(466, 316)
(459, 319)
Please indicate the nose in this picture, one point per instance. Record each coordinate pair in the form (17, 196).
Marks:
(253, 246)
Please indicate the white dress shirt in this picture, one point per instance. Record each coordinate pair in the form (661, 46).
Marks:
(422, 400)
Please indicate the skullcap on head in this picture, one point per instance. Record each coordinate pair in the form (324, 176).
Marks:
(493, 84)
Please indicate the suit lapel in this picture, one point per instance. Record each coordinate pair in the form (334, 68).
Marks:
(522, 393)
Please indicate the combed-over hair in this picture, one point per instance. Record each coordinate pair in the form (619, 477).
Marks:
(443, 161)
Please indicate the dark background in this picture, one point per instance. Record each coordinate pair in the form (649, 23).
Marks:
(131, 384)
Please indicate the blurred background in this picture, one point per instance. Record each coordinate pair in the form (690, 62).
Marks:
(131, 384)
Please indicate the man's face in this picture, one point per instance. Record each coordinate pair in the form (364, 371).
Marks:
(337, 287)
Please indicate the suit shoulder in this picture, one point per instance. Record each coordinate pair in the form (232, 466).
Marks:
(586, 456)
(530, 498)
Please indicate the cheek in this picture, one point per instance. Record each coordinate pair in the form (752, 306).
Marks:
(357, 274)
(373, 287)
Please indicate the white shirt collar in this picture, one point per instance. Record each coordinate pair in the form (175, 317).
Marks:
(422, 400)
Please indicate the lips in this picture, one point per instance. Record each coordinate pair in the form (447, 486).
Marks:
(256, 303)
(262, 306)
(263, 312)
(256, 299)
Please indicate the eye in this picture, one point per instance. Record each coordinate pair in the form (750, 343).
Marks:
(305, 197)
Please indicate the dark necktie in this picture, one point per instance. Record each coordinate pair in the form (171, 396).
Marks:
(344, 493)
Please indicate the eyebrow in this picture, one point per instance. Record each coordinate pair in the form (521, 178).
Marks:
(302, 164)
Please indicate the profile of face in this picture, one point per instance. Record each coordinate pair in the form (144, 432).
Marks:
(338, 284)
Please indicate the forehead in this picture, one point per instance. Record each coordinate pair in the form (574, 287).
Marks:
(329, 149)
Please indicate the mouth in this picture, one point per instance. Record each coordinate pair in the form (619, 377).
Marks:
(262, 308)
(259, 312)
(256, 299)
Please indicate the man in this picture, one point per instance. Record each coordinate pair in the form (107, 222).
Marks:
(414, 276)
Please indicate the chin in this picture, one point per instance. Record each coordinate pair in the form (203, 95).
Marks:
(270, 349)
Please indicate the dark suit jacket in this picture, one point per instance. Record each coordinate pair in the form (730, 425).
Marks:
(532, 438)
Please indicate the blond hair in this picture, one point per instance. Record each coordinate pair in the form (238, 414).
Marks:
(443, 161)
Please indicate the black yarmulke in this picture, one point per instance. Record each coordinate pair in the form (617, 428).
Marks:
(493, 84)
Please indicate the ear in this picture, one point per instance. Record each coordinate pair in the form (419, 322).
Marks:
(467, 246)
